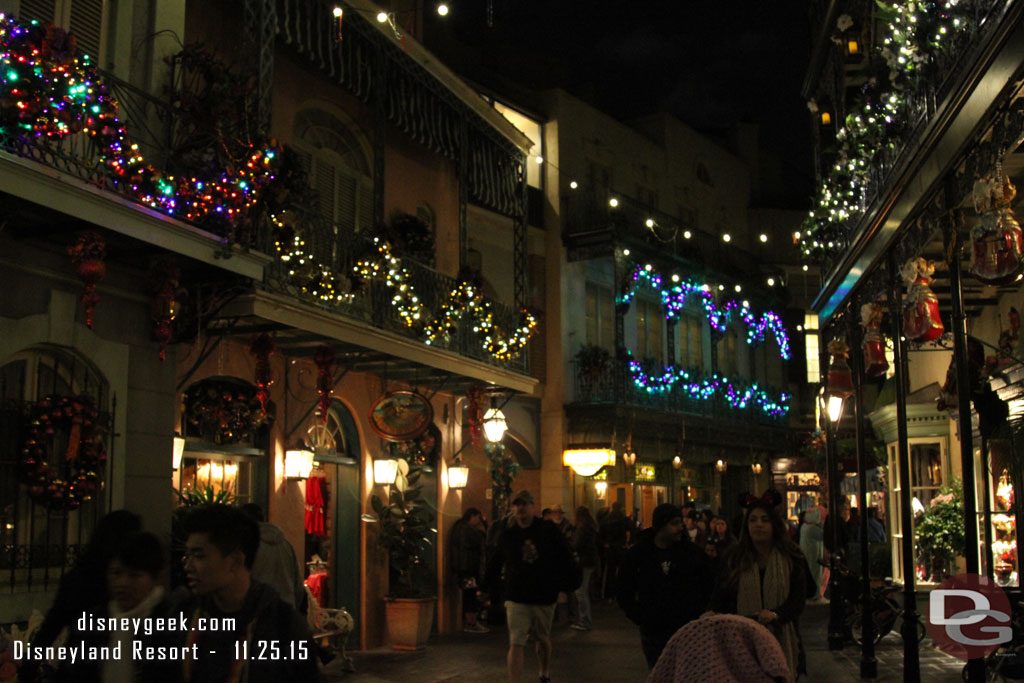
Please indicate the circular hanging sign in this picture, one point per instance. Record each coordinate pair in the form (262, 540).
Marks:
(400, 415)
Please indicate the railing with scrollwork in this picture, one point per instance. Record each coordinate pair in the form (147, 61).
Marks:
(614, 385)
(337, 248)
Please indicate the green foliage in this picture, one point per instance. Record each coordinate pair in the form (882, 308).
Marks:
(195, 496)
(503, 470)
(940, 530)
(405, 523)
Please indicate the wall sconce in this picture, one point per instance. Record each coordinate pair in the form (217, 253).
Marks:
(677, 462)
(851, 46)
(826, 118)
(601, 488)
(385, 471)
(721, 465)
(298, 462)
(458, 476)
(178, 451)
(495, 425)
(586, 461)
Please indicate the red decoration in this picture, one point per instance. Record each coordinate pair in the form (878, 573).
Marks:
(84, 454)
(840, 377)
(165, 305)
(261, 347)
(921, 321)
(324, 359)
(997, 244)
(475, 413)
(873, 346)
(87, 254)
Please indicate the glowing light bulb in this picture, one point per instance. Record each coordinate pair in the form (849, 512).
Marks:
(764, 237)
(805, 268)
(573, 184)
(726, 237)
(613, 202)
(337, 11)
(540, 159)
(771, 282)
(625, 252)
(649, 222)
(382, 17)
(442, 9)
(738, 289)
(687, 234)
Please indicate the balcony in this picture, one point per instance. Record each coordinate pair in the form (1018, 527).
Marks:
(594, 228)
(615, 387)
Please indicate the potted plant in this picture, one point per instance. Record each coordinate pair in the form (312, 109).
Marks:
(405, 523)
(940, 531)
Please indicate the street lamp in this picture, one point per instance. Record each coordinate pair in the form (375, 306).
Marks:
(840, 381)
(495, 425)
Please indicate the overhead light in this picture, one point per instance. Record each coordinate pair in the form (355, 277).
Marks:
(721, 465)
(687, 234)
(458, 475)
(178, 450)
(338, 11)
(738, 289)
(726, 237)
(675, 277)
(764, 237)
(625, 252)
(805, 268)
(771, 282)
(586, 461)
(573, 184)
(298, 462)
(382, 17)
(649, 222)
(384, 471)
(540, 159)
(677, 462)
(495, 425)
(721, 288)
(442, 9)
(613, 202)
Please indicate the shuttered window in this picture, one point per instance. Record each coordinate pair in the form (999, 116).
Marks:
(83, 18)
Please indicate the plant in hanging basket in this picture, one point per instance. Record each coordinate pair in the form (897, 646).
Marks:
(404, 527)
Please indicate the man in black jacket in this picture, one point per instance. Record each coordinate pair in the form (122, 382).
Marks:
(664, 582)
(537, 562)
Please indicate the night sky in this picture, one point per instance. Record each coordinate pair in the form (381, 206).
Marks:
(711, 64)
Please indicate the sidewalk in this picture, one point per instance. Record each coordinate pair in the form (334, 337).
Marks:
(611, 652)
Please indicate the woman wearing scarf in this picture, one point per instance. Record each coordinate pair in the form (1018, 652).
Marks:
(764, 579)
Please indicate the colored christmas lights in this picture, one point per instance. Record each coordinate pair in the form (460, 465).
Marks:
(705, 388)
(674, 300)
(918, 31)
(48, 89)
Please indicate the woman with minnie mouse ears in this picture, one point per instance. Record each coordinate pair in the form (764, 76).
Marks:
(764, 577)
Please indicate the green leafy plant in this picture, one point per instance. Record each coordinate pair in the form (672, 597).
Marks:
(940, 530)
(205, 495)
(405, 524)
(503, 469)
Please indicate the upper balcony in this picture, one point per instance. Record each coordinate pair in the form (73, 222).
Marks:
(71, 174)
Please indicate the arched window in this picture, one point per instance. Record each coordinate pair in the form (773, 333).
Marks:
(337, 159)
(38, 541)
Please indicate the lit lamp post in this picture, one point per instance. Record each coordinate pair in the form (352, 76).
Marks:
(840, 386)
(495, 425)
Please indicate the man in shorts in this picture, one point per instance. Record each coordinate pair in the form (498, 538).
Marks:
(537, 564)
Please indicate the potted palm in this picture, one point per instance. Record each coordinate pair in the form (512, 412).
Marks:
(405, 523)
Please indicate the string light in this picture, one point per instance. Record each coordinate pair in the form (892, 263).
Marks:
(674, 300)
(726, 237)
(442, 9)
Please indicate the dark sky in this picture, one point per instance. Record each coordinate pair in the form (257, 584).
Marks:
(711, 64)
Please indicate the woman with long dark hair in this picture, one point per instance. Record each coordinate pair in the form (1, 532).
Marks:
(763, 578)
(584, 544)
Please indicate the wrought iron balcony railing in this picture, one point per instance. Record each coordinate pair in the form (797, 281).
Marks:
(614, 385)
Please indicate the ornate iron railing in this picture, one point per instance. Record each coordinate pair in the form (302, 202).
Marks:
(614, 385)
(338, 248)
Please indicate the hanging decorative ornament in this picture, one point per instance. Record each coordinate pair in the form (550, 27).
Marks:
(997, 244)
(873, 346)
(324, 360)
(164, 307)
(88, 255)
(261, 347)
(921, 321)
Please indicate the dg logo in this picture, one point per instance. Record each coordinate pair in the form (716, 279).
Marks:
(969, 616)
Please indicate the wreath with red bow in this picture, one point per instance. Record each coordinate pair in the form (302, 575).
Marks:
(74, 478)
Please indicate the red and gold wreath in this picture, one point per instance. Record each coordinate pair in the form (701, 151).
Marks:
(63, 482)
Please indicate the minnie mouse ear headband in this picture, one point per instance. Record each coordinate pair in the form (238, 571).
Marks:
(770, 497)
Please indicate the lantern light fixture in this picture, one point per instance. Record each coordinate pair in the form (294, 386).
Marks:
(495, 424)
(298, 462)
(178, 450)
(826, 118)
(601, 488)
(721, 465)
(628, 454)
(338, 11)
(756, 468)
(382, 17)
(442, 9)
(458, 476)
(587, 460)
(384, 471)
(840, 380)
(677, 462)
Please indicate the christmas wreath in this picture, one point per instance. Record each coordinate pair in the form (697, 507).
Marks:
(225, 413)
(73, 480)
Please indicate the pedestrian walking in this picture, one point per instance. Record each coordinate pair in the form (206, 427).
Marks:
(537, 565)
(614, 534)
(219, 555)
(763, 578)
(584, 544)
(467, 561)
(665, 581)
(275, 563)
(813, 548)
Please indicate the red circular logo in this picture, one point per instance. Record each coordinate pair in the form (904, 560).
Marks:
(969, 616)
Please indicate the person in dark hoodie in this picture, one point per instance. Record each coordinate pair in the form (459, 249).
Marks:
(537, 563)
(664, 582)
(270, 641)
(276, 564)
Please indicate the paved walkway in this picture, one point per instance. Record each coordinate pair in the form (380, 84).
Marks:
(611, 652)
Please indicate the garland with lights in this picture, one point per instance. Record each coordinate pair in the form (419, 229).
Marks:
(674, 300)
(49, 89)
(703, 389)
(918, 32)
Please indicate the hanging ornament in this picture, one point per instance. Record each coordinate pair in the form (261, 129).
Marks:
(997, 244)
(475, 401)
(164, 307)
(921, 321)
(873, 346)
(88, 255)
(324, 359)
(261, 347)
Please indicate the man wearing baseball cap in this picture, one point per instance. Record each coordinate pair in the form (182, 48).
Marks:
(538, 565)
(665, 581)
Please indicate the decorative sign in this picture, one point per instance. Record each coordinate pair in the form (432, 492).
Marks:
(400, 415)
(646, 473)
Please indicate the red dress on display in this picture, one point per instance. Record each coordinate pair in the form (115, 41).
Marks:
(315, 506)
